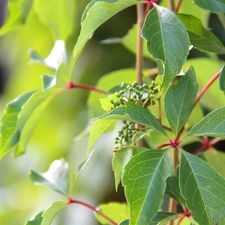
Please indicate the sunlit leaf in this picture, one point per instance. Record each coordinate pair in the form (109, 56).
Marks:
(179, 100)
(115, 211)
(50, 213)
(203, 189)
(120, 160)
(212, 125)
(171, 41)
(56, 178)
(135, 113)
(99, 127)
(211, 5)
(96, 13)
(222, 80)
(144, 180)
(202, 38)
(36, 220)
(58, 16)
(10, 133)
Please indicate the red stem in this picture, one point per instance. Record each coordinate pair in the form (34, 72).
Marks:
(178, 6)
(86, 87)
(71, 201)
(206, 87)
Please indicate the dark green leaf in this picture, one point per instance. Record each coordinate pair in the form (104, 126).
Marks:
(120, 160)
(125, 222)
(202, 38)
(37, 220)
(173, 190)
(163, 218)
(222, 80)
(114, 210)
(168, 41)
(56, 178)
(203, 188)
(211, 5)
(179, 100)
(58, 15)
(145, 183)
(9, 133)
(135, 113)
(90, 22)
(211, 125)
(50, 213)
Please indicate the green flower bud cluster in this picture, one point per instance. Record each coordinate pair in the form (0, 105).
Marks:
(125, 135)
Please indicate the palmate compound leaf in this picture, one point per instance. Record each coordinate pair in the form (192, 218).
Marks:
(179, 100)
(56, 178)
(168, 41)
(201, 38)
(135, 113)
(211, 5)
(96, 13)
(212, 124)
(203, 188)
(144, 180)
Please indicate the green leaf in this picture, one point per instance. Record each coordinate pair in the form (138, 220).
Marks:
(99, 127)
(56, 178)
(173, 190)
(29, 116)
(96, 13)
(120, 160)
(135, 113)
(202, 38)
(145, 183)
(58, 15)
(36, 220)
(116, 211)
(203, 188)
(125, 222)
(211, 125)
(211, 5)
(163, 218)
(179, 100)
(222, 80)
(50, 213)
(9, 133)
(48, 81)
(168, 41)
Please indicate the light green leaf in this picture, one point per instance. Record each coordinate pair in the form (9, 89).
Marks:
(203, 188)
(99, 127)
(202, 38)
(62, 75)
(56, 178)
(36, 220)
(179, 100)
(96, 13)
(58, 15)
(222, 80)
(145, 183)
(135, 113)
(50, 213)
(120, 160)
(211, 125)
(116, 211)
(163, 218)
(29, 116)
(211, 5)
(168, 41)
(9, 133)
(48, 81)
(173, 190)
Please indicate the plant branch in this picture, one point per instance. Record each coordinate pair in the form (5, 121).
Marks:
(71, 201)
(178, 6)
(172, 5)
(71, 85)
(206, 87)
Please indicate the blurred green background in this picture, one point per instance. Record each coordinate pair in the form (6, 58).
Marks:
(37, 24)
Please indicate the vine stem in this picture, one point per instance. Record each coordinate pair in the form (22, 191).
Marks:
(72, 201)
(206, 87)
(71, 85)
